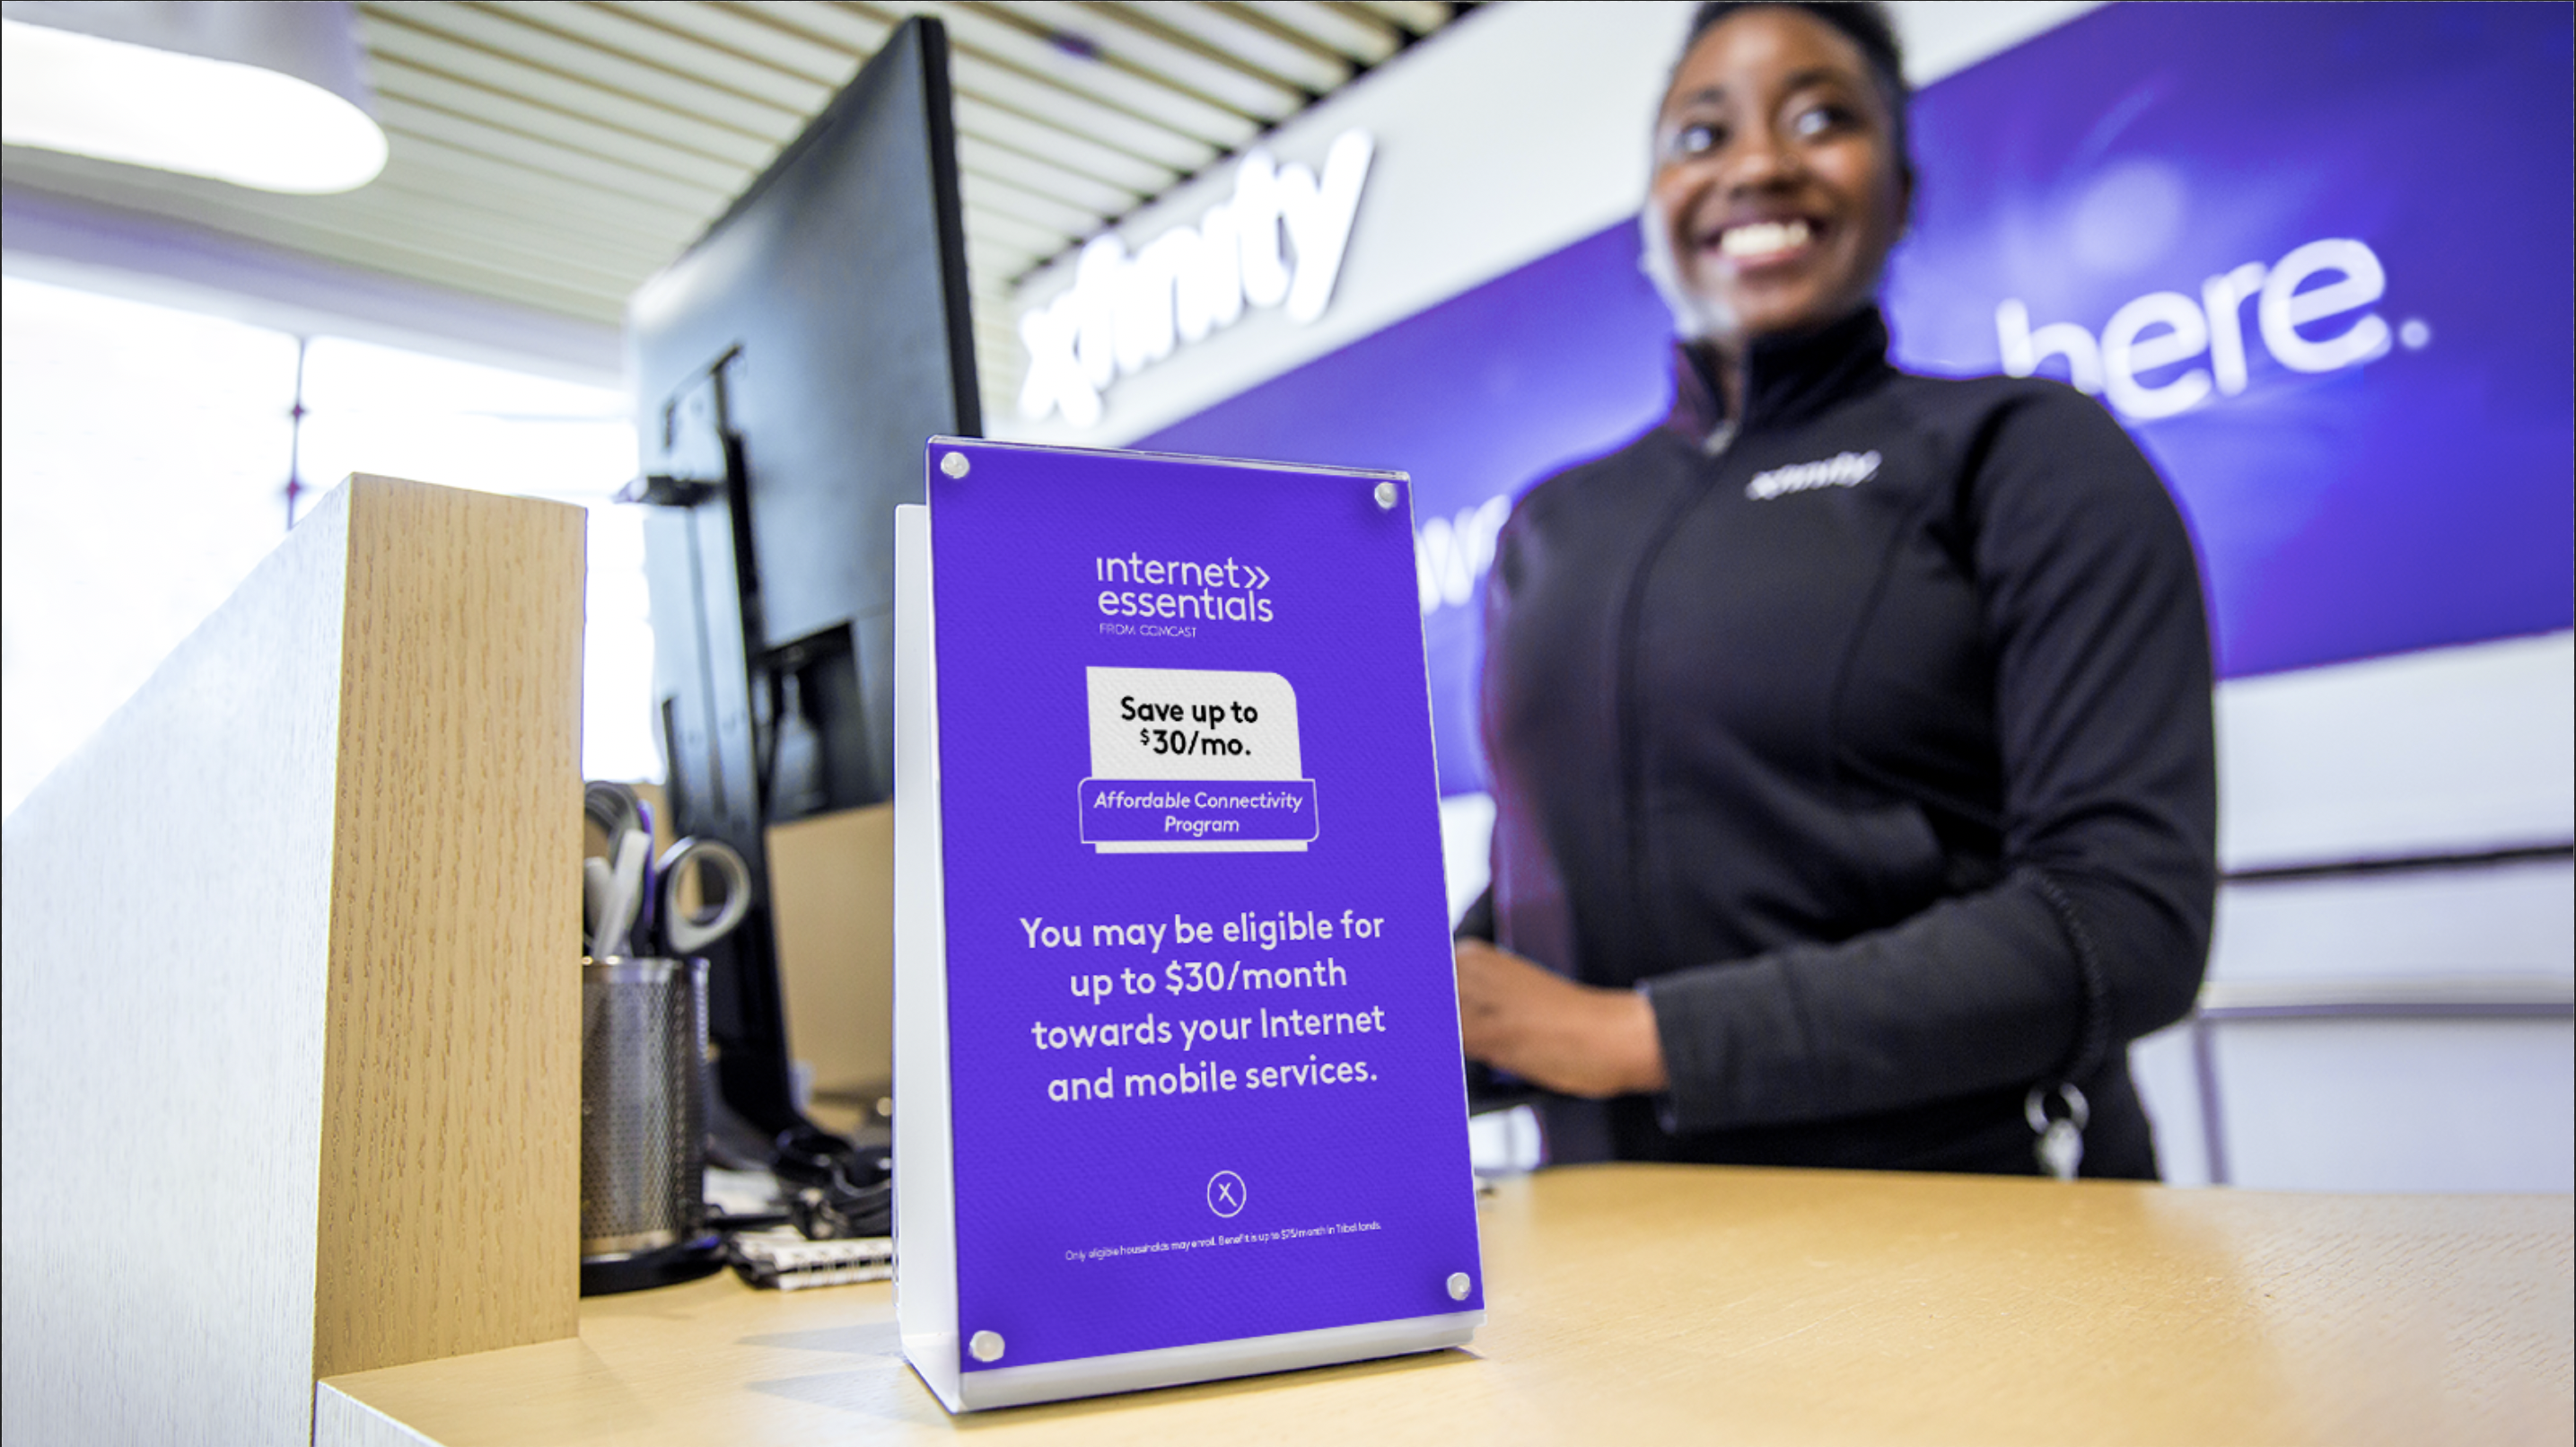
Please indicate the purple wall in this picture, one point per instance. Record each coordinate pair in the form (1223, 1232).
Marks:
(2392, 497)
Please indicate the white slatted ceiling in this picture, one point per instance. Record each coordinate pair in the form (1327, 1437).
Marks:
(554, 154)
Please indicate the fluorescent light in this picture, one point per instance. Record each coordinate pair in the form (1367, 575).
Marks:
(145, 106)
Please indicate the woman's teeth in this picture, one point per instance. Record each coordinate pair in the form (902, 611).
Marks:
(1762, 238)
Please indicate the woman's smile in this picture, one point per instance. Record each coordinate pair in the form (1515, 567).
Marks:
(1766, 243)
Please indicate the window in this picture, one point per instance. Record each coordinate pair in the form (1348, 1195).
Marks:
(143, 471)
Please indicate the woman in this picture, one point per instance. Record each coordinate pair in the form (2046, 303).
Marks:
(1850, 731)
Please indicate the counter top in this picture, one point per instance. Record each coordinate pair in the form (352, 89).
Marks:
(1666, 1303)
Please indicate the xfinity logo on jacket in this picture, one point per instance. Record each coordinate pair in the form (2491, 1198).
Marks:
(1843, 469)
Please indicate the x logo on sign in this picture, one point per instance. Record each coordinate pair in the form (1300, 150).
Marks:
(1056, 382)
(1226, 1193)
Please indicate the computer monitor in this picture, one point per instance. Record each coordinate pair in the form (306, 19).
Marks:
(788, 368)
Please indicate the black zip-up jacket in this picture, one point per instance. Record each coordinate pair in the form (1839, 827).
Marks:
(1869, 736)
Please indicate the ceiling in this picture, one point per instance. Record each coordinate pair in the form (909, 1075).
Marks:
(554, 154)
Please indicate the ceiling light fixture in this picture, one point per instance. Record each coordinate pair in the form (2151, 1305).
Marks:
(262, 93)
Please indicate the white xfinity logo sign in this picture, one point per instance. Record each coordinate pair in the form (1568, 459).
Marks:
(1124, 313)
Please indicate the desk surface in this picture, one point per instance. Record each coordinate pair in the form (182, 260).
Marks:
(1673, 1303)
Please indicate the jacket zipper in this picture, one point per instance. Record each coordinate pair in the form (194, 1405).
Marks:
(1629, 705)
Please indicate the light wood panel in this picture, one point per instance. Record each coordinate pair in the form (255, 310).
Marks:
(291, 1005)
(452, 1102)
(1679, 1304)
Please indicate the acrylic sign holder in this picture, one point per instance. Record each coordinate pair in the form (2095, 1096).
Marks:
(1178, 1092)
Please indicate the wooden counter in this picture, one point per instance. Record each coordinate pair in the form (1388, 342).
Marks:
(1643, 1303)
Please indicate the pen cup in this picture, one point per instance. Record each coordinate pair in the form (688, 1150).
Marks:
(643, 1123)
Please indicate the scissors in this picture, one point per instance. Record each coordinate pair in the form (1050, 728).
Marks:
(617, 892)
(630, 901)
(683, 933)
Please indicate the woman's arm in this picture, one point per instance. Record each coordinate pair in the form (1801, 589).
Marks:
(1576, 1039)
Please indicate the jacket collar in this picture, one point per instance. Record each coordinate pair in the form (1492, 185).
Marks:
(1788, 379)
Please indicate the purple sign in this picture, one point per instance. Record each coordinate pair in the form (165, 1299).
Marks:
(1202, 1056)
(2241, 226)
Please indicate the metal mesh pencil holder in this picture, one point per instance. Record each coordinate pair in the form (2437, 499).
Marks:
(643, 1111)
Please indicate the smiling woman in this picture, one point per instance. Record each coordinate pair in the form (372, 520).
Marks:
(1849, 731)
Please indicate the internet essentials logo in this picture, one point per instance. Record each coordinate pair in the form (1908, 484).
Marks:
(2166, 328)
(1216, 592)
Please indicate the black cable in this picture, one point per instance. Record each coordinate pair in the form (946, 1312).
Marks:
(835, 1189)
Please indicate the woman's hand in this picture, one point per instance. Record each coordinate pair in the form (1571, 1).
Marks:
(1552, 1032)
